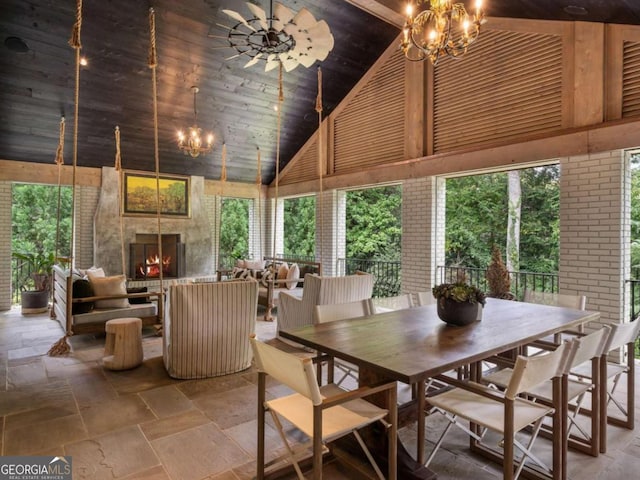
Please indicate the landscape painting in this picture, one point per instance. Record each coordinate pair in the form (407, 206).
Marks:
(139, 195)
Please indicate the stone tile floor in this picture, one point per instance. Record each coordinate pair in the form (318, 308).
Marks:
(142, 424)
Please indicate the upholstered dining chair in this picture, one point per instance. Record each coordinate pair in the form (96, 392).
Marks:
(297, 312)
(586, 355)
(425, 298)
(506, 412)
(340, 311)
(397, 302)
(323, 414)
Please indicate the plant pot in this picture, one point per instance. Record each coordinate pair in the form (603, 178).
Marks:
(458, 313)
(34, 301)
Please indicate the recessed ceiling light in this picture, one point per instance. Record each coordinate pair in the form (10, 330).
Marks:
(575, 10)
(83, 61)
(16, 44)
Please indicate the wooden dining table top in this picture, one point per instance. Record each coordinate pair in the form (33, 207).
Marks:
(411, 345)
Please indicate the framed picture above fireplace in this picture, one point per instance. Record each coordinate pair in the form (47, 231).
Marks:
(139, 195)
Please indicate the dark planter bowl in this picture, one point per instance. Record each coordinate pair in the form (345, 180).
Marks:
(34, 301)
(457, 313)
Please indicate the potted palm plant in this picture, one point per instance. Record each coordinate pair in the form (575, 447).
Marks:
(35, 285)
(459, 303)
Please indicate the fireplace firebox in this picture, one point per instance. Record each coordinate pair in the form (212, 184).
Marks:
(144, 257)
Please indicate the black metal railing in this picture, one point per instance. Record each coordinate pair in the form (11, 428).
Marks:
(20, 272)
(386, 272)
(520, 280)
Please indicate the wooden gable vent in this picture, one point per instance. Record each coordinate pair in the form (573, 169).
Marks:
(508, 85)
(631, 79)
(370, 129)
(304, 166)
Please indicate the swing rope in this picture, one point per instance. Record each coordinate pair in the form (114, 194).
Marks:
(118, 169)
(62, 347)
(153, 63)
(320, 162)
(279, 122)
(259, 187)
(59, 162)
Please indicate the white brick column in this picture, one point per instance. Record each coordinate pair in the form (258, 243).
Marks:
(212, 207)
(330, 230)
(86, 204)
(595, 230)
(5, 246)
(423, 222)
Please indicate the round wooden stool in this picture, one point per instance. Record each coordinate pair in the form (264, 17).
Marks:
(123, 345)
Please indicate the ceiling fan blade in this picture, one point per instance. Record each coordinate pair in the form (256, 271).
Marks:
(272, 62)
(307, 60)
(304, 19)
(239, 18)
(289, 63)
(319, 30)
(253, 61)
(259, 14)
(282, 15)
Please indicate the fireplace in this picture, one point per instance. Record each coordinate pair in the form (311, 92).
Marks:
(144, 257)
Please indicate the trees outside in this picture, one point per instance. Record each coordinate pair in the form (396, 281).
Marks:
(300, 227)
(477, 217)
(234, 230)
(635, 215)
(374, 223)
(34, 213)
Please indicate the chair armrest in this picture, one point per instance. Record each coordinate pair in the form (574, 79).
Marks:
(473, 387)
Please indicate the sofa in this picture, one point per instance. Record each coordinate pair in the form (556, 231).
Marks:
(207, 327)
(274, 275)
(297, 312)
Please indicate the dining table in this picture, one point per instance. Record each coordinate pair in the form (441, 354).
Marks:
(413, 345)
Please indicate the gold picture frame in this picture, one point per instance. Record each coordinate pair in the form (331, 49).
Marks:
(139, 195)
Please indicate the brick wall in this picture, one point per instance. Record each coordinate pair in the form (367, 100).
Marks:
(595, 231)
(86, 203)
(5, 246)
(422, 232)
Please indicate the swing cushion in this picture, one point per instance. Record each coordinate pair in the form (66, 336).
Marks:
(107, 286)
(82, 289)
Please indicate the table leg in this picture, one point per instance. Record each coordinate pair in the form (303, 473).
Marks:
(421, 422)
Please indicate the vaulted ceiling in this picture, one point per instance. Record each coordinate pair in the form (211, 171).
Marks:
(235, 103)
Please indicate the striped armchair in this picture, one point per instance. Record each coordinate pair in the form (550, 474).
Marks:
(207, 327)
(296, 312)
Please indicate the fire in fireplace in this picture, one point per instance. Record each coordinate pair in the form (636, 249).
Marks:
(144, 256)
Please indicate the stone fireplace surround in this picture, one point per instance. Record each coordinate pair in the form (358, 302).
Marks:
(196, 232)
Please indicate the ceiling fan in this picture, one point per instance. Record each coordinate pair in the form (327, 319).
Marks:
(282, 37)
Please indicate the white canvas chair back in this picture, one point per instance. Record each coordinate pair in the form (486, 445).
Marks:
(578, 302)
(622, 334)
(425, 298)
(294, 372)
(398, 302)
(530, 372)
(590, 346)
(340, 311)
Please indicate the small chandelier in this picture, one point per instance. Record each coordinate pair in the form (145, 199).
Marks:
(444, 29)
(192, 144)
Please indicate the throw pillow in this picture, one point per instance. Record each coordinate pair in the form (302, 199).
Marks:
(283, 271)
(96, 272)
(241, 264)
(106, 286)
(294, 273)
(266, 276)
(254, 264)
(138, 300)
(81, 289)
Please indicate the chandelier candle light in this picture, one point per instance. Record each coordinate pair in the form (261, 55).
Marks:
(445, 29)
(193, 144)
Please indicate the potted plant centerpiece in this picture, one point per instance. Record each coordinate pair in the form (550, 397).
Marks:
(459, 303)
(36, 286)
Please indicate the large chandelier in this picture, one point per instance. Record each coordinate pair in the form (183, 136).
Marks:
(283, 37)
(444, 29)
(192, 143)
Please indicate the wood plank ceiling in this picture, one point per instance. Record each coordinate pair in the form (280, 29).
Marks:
(236, 104)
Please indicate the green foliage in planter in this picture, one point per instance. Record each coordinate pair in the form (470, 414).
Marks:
(459, 292)
(40, 265)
